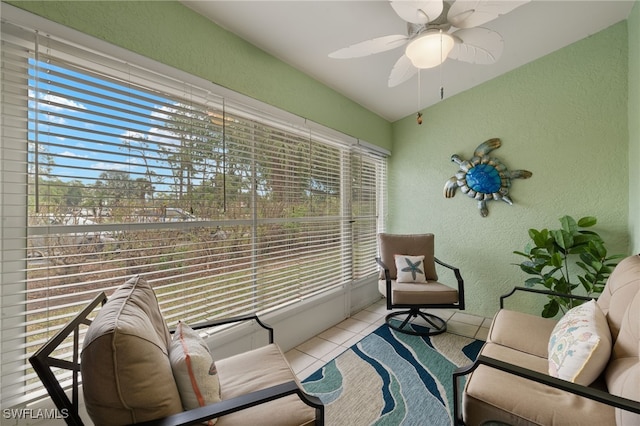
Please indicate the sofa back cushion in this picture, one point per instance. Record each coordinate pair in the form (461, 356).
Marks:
(623, 372)
(620, 300)
(622, 286)
(126, 373)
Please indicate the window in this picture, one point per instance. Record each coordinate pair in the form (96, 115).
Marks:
(223, 208)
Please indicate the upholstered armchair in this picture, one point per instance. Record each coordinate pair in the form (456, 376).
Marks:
(134, 370)
(409, 281)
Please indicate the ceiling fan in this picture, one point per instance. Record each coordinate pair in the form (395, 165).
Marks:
(437, 30)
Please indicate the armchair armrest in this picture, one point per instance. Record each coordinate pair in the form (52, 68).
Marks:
(384, 267)
(541, 291)
(456, 272)
(231, 320)
(387, 278)
(584, 391)
(198, 415)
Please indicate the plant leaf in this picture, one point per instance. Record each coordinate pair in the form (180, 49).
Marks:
(530, 282)
(563, 239)
(550, 309)
(556, 260)
(569, 224)
(539, 237)
(587, 221)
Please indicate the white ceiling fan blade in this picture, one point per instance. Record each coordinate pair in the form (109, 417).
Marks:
(471, 13)
(418, 12)
(479, 46)
(370, 47)
(402, 71)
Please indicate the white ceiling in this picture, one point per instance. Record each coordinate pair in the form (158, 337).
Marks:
(302, 33)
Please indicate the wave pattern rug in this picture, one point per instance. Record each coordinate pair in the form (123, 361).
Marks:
(390, 378)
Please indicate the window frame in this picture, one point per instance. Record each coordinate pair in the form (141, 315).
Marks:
(15, 231)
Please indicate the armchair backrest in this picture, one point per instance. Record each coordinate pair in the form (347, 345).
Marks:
(126, 372)
(408, 244)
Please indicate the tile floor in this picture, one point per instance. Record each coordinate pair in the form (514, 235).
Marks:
(317, 351)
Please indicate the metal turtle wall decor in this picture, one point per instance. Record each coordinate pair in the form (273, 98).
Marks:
(483, 178)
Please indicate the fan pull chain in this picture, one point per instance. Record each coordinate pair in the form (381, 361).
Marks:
(441, 65)
(419, 116)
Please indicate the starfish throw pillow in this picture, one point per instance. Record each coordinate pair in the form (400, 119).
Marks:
(410, 269)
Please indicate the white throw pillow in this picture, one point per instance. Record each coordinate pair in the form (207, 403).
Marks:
(194, 369)
(410, 269)
(580, 344)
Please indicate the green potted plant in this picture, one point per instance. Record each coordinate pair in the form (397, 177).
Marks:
(552, 256)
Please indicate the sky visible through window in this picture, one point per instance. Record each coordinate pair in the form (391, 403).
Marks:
(81, 118)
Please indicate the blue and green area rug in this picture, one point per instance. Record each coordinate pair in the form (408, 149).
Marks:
(390, 378)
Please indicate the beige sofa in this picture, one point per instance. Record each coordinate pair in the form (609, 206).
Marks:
(510, 383)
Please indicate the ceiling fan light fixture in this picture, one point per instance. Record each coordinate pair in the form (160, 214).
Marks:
(430, 49)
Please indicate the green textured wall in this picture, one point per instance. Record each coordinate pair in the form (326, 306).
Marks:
(173, 34)
(563, 117)
(633, 24)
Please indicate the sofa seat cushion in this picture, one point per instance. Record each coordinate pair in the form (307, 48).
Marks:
(432, 292)
(259, 369)
(491, 394)
(507, 330)
(126, 373)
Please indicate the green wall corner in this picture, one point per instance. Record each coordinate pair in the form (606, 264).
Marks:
(564, 118)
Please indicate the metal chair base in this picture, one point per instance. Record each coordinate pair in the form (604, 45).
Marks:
(434, 324)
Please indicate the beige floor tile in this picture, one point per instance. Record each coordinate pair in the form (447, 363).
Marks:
(368, 316)
(378, 307)
(337, 335)
(299, 360)
(445, 314)
(355, 339)
(310, 370)
(352, 324)
(317, 347)
(334, 353)
(467, 318)
(482, 334)
(462, 329)
(373, 327)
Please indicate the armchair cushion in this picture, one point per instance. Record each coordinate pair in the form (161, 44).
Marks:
(506, 330)
(410, 268)
(580, 344)
(194, 369)
(258, 369)
(125, 366)
(414, 245)
(415, 294)
(495, 395)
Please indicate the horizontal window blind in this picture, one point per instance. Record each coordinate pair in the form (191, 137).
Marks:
(110, 170)
(368, 204)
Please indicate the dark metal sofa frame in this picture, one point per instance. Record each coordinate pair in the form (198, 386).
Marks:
(584, 391)
(43, 362)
